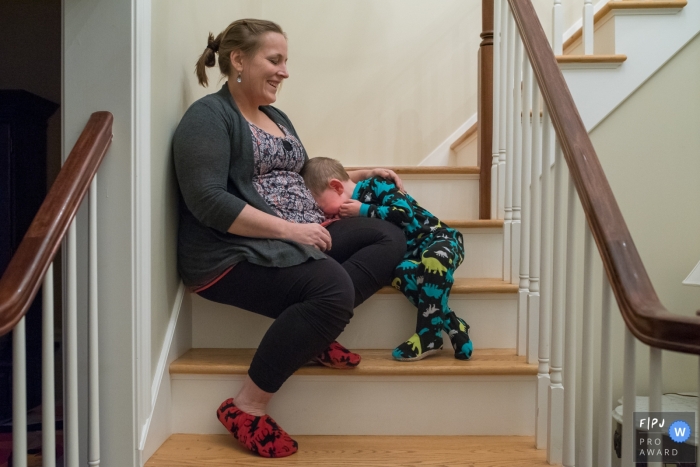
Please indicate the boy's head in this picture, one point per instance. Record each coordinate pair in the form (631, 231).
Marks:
(328, 182)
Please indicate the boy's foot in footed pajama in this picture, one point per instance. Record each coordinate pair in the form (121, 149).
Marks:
(458, 330)
(418, 347)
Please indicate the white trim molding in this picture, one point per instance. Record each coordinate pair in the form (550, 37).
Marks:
(441, 155)
(178, 339)
(141, 209)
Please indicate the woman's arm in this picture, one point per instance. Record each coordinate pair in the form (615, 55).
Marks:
(364, 174)
(252, 222)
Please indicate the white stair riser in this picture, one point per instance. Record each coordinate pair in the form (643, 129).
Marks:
(465, 154)
(383, 322)
(483, 254)
(352, 405)
(446, 196)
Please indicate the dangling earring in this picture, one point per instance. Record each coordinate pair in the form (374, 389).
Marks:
(238, 80)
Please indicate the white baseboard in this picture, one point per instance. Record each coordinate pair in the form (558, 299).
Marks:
(441, 155)
(178, 339)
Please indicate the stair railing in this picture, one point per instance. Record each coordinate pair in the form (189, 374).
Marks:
(32, 265)
(537, 197)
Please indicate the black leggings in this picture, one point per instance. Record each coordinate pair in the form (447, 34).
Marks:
(311, 302)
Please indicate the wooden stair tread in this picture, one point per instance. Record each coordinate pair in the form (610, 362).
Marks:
(470, 286)
(465, 136)
(616, 58)
(474, 224)
(426, 170)
(375, 362)
(183, 450)
(625, 5)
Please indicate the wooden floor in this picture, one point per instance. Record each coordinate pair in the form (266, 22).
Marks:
(374, 362)
(366, 451)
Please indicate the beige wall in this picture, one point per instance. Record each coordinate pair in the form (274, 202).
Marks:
(649, 150)
(371, 82)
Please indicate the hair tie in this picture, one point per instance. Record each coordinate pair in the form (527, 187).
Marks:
(213, 46)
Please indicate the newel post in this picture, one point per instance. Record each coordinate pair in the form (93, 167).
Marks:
(485, 109)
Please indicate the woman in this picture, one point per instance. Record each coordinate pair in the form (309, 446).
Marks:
(250, 233)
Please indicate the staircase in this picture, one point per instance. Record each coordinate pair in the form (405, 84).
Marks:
(435, 396)
(385, 412)
(527, 397)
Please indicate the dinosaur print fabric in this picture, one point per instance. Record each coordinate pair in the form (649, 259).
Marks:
(426, 274)
(260, 435)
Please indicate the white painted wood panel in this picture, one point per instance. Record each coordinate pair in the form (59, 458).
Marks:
(383, 322)
(446, 196)
(352, 405)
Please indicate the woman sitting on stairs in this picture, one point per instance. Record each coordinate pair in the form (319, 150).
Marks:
(250, 232)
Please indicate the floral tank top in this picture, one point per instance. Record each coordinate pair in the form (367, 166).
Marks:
(277, 163)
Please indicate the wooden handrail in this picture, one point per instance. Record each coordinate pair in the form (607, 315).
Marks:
(641, 309)
(23, 276)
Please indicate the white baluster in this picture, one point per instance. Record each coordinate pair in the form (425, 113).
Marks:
(506, 34)
(70, 342)
(523, 289)
(516, 182)
(555, 427)
(585, 448)
(628, 400)
(655, 385)
(19, 395)
(48, 398)
(588, 27)
(496, 106)
(93, 354)
(569, 444)
(533, 299)
(557, 28)
(513, 42)
(513, 187)
(606, 379)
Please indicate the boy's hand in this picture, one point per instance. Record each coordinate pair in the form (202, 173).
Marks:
(350, 208)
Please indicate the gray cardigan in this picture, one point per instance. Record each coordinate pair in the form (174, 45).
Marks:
(213, 152)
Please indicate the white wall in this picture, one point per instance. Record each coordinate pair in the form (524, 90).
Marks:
(97, 75)
(649, 150)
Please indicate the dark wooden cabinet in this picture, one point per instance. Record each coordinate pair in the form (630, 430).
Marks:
(23, 125)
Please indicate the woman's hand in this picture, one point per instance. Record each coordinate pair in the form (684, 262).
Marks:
(388, 174)
(350, 208)
(364, 174)
(310, 234)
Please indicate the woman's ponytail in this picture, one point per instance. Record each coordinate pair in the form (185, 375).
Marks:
(207, 59)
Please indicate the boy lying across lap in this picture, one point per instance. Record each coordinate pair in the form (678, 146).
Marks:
(425, 276)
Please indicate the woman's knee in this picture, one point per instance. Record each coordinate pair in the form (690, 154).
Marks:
(332, 292)
(392, 239)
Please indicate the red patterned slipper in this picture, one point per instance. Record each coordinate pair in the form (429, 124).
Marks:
(260, 435)
(338, 357)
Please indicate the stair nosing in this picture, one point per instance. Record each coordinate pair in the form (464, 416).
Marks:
(427, 170)
(471, 286)
(376, 362)
(624, 5)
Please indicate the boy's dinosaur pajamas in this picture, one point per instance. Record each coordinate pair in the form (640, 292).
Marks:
(426, 274)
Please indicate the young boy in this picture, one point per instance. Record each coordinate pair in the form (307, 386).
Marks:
(425, 276)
